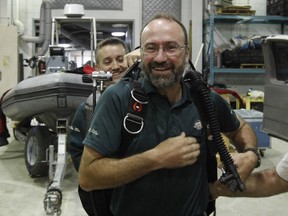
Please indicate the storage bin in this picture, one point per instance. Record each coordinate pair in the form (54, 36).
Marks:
(255, 119)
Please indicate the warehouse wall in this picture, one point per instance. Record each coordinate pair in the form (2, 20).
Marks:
(191, 16)
(28, 10)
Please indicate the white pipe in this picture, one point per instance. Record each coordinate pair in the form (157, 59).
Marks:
(10, 12)
(20, 27)
(48, 28)
(15, 11)
(45, 28)
(198, 56)
(94, 32)
(40, 38)
(16, 21)
(45, 13)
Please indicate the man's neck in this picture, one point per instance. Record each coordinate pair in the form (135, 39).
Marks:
(173, 93)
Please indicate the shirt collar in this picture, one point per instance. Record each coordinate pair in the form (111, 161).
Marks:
(149, 88)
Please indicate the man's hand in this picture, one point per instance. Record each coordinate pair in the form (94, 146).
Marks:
(245, 163)
(131, 57)
(178, 151)
(217, 189)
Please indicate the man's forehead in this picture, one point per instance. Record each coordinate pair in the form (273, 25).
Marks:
(168, 28)
(112, 51)
(113, 46)
(162, 23)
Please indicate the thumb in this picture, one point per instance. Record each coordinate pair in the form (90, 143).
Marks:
(183, 134)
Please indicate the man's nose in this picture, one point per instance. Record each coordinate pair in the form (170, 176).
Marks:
(115, 65)
(161, 55)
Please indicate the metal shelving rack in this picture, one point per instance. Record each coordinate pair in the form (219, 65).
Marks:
(235, 19)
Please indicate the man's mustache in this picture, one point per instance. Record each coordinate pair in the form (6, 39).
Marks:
(160, 65)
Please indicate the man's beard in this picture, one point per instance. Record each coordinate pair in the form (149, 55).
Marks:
(163, 81)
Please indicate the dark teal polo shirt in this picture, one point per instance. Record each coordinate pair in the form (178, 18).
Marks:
(164, 192)
(76, 135)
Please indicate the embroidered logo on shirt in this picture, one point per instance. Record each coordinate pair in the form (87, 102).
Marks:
(71, 127)
(93, 131)
(198, 125)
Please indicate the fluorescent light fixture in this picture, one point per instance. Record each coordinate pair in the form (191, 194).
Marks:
(118, 34)
(64, 45)
(119, 25)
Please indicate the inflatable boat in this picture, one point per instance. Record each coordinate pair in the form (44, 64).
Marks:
(46, 97)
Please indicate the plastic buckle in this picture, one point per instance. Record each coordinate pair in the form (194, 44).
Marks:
(133, 121)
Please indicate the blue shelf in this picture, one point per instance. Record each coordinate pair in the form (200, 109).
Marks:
(232, 20)
(251, 18)
(239, 70)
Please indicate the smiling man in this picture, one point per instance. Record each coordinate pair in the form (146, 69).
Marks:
(161, 171)
(111, 55)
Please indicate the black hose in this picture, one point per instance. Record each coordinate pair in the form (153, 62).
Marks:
(198, 86)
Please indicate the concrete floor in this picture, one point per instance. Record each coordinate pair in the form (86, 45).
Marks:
(22, 195)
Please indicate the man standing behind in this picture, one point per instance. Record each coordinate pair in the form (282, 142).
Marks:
(111, 55)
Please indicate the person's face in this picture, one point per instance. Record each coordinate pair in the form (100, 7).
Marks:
(163, 69)
(111, 58)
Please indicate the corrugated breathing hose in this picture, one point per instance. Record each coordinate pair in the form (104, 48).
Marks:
(230, 176)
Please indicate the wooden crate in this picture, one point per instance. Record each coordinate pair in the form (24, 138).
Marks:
(236, 10)
(252, 66)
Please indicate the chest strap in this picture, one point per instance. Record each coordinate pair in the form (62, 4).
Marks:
(133, 121)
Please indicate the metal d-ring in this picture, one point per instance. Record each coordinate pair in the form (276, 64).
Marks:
(134, 92)
(134, 119)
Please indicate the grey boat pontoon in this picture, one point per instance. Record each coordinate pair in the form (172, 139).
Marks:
(52, 100)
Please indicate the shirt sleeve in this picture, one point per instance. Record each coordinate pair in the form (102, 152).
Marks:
(104, 133)
(282, 168)
(227, 118)
(76, 134)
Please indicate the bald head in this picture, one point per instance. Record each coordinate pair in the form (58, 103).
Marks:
(163, 23)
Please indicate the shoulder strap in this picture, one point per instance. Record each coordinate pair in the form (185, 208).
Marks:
(133, 121)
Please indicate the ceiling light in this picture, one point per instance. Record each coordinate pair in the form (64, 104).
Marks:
(118, 34)
(64, 45)
(119, 25)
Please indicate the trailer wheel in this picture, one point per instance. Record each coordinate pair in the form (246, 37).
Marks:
(37, 142)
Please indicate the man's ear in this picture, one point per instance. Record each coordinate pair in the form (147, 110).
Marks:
(96, 67)
(187, 53)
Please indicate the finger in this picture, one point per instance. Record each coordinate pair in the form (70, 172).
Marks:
(191, 140)
(182, 134)
(220, 165)
(192, 157)
(192, 151)
(130, 61)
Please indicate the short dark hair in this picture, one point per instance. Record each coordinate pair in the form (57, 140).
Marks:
(109, 41)
(171, 18)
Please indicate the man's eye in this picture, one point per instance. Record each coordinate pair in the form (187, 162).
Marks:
(106, 62)
(120, 59)
(151, 48)
(171, 47)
